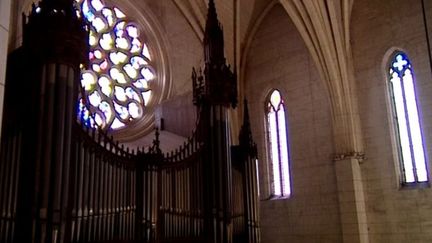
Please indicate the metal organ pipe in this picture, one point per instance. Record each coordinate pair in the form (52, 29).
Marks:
(84, 187)
(92, 189)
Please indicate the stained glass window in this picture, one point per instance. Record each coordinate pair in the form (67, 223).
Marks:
(278, 146)
(119, 79)
(406, 117)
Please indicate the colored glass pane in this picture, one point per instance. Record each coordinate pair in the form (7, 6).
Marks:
(408, 131)
(278, 145)
(116, 85)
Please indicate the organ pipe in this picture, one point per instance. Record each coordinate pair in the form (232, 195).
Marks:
(63, 181)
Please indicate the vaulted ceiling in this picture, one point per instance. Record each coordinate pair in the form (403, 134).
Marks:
(237, 17)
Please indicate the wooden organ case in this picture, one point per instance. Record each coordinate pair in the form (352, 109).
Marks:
(61, 181)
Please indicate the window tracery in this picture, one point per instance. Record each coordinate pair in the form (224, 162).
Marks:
(406, 117)
(118, 83)
(278, 145)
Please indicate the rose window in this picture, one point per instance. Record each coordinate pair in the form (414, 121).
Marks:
(117, 85)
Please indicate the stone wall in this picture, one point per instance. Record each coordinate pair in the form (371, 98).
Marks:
(279, 59)
(184, 48)
(379, 28)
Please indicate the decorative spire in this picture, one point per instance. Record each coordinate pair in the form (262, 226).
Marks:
(155, 148)
(245, 137)
(218, 85)
(211, 11)
(213, 37)
(156, 141)
(245, 132)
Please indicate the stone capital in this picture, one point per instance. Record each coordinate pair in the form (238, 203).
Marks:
(359, 156)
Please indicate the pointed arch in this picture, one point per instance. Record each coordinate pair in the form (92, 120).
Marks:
(277, 145)
(248, 43)
(405, 115)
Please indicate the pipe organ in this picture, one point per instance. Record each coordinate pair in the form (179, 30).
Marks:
(62, 181)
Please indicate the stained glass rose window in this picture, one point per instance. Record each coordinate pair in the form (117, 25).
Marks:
(117, 85)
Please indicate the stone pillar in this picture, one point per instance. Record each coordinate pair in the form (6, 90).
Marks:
(352, 204)
(5, 11)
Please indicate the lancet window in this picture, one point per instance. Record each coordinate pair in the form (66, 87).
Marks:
(406, 119)
(277, 140)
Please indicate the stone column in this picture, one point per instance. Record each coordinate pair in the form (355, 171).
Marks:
(5, 11)
(352, 204)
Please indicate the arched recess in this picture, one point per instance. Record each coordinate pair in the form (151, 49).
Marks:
(248, 41)
(278, 59)
(324, 27)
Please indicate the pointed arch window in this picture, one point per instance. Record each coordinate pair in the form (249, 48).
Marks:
(406, 118)
(277, 142)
